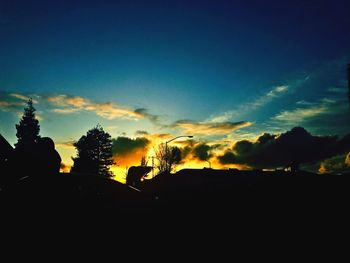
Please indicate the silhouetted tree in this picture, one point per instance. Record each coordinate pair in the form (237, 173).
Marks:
(28, 127)
(94, 153)
(167, 157)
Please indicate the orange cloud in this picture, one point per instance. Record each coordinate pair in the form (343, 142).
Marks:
(347, 159)
(110, 111)
(128, 151)
(65, 168)
(131, 158)
(210, 128)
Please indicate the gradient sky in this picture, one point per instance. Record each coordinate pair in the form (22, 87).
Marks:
(218, 70)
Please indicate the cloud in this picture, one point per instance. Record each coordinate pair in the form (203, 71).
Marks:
(155, 119)
(337, 90)
(271, 151)
(337, 163)
(347, 159)
(227, 158)
(210, 128)
(10, 102)
(299, 115)
(107, 110)
(142, 133)
(24, 97)
(65, 101)
(156, 138)
(110, 111)
(128, 151)
(315, 116)
(65, 144)
(11, 106)
(15, 102)
(198, 151)
(202, 151)
(65, 111)
(310, 110)
(259, 102)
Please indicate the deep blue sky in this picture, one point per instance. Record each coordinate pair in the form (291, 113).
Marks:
(274, 64)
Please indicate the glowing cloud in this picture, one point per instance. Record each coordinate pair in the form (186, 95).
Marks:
(105, 110)
(127, 151)
(205, 128)
(279, 150)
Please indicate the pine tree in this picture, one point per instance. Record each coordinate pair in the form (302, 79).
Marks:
(28, 128)
(94, 153)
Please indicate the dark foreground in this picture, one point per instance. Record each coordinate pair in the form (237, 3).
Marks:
(194, 212)
(193, 207)
(189, 193)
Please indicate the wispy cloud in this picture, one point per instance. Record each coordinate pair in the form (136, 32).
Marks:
(337, 90)
(68, 104)
(11, 102)
(210, 128)
(259, 102)
(65, 111)
(10, 106)
(22, 97)
(65, 144)
(141, 133)
(155, 119)
(308, 111)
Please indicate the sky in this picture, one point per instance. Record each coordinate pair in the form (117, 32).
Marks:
(148, 71)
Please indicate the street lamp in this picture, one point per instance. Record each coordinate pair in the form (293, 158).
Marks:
(166, 147)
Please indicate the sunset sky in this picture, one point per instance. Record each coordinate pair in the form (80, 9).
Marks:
(147, 71)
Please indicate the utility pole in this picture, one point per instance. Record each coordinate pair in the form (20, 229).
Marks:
(152, 157)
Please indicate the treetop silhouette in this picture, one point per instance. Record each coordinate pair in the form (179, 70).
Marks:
(28, 128)
(94, 153)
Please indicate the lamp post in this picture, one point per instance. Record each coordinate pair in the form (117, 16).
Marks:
(166, 148)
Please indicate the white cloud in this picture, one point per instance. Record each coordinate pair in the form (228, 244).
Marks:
(106, 110)
(205, 128)
(259, 102)
(22, 97)
(309, 111)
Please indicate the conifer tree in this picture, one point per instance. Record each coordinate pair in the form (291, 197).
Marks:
(28, 128)
(94, 153)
